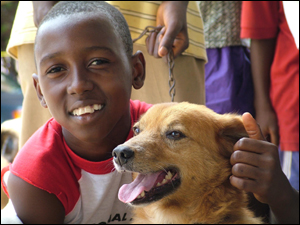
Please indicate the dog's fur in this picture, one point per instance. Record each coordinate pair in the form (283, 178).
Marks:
(201, 155)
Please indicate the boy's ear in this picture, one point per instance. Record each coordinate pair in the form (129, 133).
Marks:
(139, 70)
(38, 90)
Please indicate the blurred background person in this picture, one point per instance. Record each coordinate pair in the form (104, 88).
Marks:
(228, 80)
(275, 70)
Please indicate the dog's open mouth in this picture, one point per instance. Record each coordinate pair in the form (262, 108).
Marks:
(150, 187)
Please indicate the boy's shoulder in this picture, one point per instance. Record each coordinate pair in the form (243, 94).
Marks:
(42, 150)
(47, 137)
(138, 108)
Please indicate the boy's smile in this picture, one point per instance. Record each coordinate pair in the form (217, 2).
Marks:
(85, 79)
(86, 110)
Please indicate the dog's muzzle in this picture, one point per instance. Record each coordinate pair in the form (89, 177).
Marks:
(122, 154)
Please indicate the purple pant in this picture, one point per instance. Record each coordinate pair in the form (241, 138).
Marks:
(228, 80)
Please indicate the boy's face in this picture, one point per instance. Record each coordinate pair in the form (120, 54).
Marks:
(82, 65)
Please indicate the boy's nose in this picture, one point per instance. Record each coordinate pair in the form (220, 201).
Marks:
(80, 83)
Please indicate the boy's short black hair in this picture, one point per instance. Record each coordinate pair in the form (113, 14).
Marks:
(66, 8)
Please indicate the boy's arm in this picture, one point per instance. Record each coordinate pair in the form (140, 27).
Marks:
(256, 168)
(34, 205)
(262, 54)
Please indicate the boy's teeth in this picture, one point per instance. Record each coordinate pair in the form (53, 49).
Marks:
(86, 109)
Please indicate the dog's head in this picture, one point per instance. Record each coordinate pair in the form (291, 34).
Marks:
(177, 146)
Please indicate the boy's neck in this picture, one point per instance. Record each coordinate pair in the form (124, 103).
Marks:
(101, 149)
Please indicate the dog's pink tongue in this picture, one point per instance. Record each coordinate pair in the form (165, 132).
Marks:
(129, 192)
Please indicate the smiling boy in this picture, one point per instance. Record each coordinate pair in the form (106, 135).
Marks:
(64, 173)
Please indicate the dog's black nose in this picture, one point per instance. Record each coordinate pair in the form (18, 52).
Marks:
(122, 154)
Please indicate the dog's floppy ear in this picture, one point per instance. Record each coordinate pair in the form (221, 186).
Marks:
(231, 130)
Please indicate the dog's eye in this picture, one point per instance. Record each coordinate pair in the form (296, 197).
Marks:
(136, 130)
(175, 135)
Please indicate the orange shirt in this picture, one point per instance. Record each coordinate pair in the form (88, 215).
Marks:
(264, 20)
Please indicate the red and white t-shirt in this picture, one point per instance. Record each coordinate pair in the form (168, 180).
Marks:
(265, 20)
(88, 190)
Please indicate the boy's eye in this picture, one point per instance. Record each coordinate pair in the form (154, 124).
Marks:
(98, 62)
(55, 70)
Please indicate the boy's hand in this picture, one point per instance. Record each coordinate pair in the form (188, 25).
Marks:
(171, 15)
(256, 165)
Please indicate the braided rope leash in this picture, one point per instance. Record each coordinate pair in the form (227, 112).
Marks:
(171, 63)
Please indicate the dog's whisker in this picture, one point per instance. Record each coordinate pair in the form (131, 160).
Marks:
(163, 169)
(172, 184)
(160, 167)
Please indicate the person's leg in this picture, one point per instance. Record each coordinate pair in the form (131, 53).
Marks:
(290, 166)
(189, 77)
(294, 178)
(33, 114)
(228, 80)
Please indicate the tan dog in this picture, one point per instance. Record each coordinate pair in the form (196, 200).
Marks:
(181, 153)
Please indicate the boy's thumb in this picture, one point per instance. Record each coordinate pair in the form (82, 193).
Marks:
(252, 127)
(167, 40)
